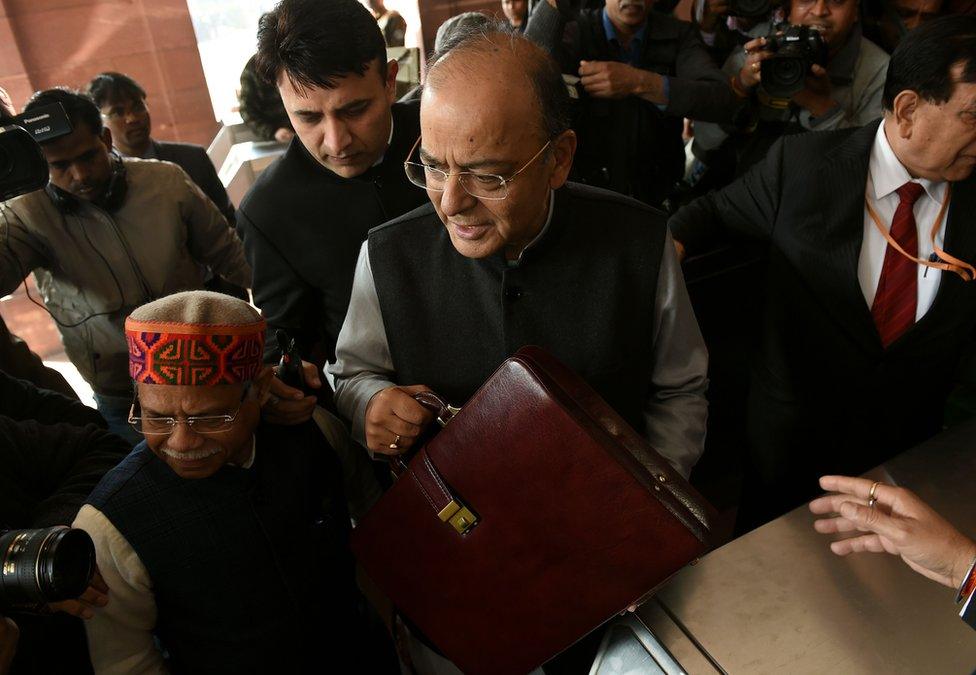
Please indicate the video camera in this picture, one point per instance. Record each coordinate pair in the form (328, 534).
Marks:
(795, 49)
(22, 165)
(44, 565)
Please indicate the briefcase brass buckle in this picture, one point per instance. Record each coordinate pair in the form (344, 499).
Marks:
(458, 516)
(448, 416)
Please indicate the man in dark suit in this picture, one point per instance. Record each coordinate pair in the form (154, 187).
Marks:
(123, 104)
(860, 342)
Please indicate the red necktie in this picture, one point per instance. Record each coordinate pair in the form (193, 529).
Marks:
(896, 300)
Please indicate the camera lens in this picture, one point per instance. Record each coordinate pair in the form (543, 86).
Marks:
(787, 72)
(46, 565)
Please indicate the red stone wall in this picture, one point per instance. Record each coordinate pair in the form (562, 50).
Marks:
(45, 43)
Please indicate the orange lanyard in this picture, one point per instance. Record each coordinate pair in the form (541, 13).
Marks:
(947, 262)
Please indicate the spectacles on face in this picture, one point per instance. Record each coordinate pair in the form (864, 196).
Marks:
(480, 185)
(201, 424)
(117, 112)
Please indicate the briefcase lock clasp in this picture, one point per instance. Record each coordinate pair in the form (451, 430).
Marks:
(447, 415)
(458, 516)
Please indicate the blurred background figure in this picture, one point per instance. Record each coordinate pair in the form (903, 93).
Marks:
(261, 107)
(516, 13)
(122, 103)
(887, 21)
(392, 25)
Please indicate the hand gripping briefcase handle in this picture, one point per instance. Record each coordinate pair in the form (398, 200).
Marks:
(443, 502)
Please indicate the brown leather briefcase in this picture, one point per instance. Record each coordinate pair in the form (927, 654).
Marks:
(533, 517)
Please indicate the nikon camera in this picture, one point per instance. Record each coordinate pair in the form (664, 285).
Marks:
(795, 49)
(45, 565)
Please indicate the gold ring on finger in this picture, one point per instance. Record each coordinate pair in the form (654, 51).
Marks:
(395, 445)
(872, 495)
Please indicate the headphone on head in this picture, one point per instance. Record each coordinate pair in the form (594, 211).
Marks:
(111, 201)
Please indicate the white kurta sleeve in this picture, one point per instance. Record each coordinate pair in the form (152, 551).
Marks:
(120, 637)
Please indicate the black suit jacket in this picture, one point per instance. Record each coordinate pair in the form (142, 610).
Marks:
(194, 160)
(826, 396)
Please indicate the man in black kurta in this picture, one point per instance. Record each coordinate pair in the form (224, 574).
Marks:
(304, 219)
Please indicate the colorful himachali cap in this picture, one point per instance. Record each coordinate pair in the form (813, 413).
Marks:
(196, 338)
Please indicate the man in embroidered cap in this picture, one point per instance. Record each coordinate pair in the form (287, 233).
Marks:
(221, 538)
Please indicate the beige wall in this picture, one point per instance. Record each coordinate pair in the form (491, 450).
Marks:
(45, 43)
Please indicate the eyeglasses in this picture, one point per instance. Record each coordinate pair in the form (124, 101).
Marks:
(201, 424)
(480, 185)
(136, 109)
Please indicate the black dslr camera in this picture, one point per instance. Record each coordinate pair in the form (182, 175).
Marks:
(22, 165)
(795, 49)
(750, 9)
(44, 565)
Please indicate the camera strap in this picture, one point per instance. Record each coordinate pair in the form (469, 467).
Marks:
(947, 263)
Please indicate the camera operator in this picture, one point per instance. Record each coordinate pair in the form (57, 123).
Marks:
(843, 92)
(641, 73)
(723, 29)
(105, 235)
(15, 357)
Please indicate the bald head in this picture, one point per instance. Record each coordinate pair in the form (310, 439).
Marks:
(502, 63)
(493, 112)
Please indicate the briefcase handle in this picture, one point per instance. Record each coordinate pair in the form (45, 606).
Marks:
(444, 410)
(445, 413)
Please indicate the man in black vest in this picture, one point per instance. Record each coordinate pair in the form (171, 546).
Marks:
(861, 343)
(307, 215)
(509, 254)
(640, 72)
(222, 537)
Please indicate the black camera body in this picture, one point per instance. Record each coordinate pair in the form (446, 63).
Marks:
(795, 49)
(750, 9)
(23, 168)
(44, 565)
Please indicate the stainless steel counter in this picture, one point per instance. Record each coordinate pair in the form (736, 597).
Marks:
(778, 601)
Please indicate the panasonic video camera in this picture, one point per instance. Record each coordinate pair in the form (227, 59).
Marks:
(795, 49)
(23, 168)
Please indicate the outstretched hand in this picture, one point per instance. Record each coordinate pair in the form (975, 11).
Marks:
(899, 523)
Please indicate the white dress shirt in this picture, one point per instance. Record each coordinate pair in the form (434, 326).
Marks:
(885, 175)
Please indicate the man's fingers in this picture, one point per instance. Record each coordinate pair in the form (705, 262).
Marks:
(311, 373)
(74, 608)
(290, 412)
(281, 390)
(94, 596)
(866, 543)
(832, 503)
(871, 520)
(818, 70)
(833, 525)
(860, 488)
(97, 582)
(409, 410)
